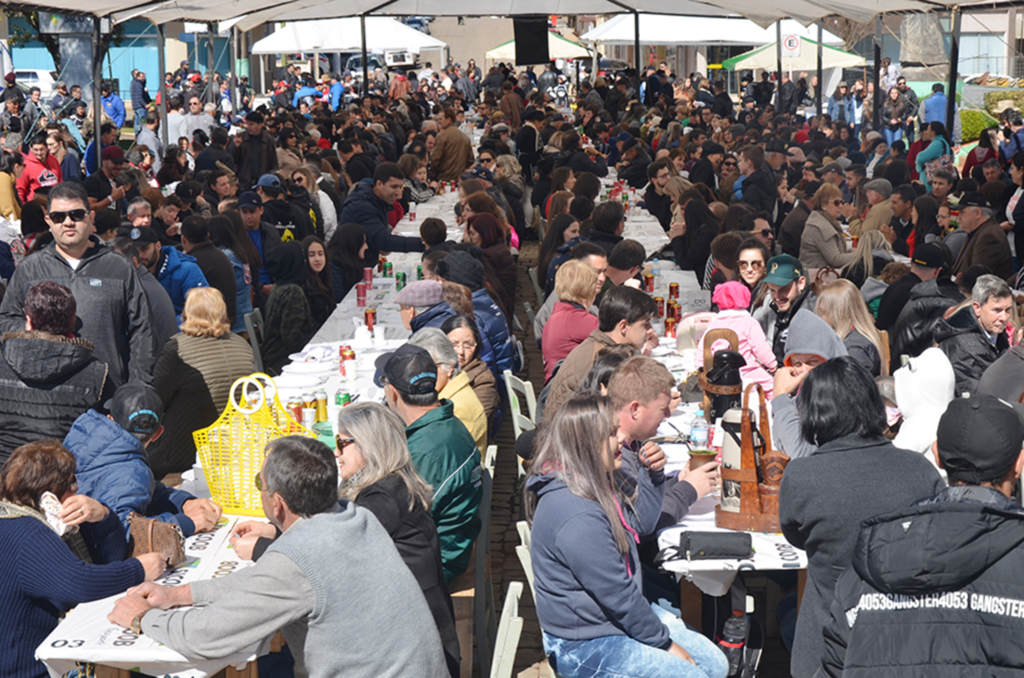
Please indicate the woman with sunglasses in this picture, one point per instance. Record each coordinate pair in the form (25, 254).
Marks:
(289, 157)
(751, 268)
(822, 243)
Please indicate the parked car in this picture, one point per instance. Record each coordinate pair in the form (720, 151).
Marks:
(32, 77)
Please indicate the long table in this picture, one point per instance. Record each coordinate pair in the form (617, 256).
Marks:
(85, 635)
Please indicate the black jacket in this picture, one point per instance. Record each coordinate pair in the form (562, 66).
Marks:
(360, 166)
(914, 330)
(289, 220)
(1005, 377)
(793, 228)
(254, 157)
(211, 155)
(529, 152)
(606, 240)
(894, 299)
(760, 190)
(219, 272)
(580, 162)
(723, 105)
(968, 348)
(703, 172)
(659, 205)
(823, 499)
(934, 590)
(635, 173)
(46, 382)
(112, 306)
(693, 248)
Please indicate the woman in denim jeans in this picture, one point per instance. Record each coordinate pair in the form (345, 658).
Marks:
(586, 521)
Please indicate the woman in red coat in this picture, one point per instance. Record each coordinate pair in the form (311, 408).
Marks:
(571, 321)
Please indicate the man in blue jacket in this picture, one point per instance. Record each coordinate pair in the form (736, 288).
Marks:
(112, 105)
(111, 464)
(177, 272)
(368, 205)
(140, 99)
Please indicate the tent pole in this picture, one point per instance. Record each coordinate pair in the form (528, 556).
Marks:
(97, 79)
(877, 99)
(778, 58)
(366, 65)
(821, 83)
(161, 59)
(233, 83)
(636, 47)
(954, 61)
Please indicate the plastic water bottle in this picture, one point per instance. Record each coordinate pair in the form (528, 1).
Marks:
(656, 269)
(699, 432)
(734, 635)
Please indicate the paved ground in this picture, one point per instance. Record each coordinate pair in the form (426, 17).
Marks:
(506, 510)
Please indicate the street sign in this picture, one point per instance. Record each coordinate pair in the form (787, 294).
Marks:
(790, 46)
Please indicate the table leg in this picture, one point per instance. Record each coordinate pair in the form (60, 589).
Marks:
(691, 604)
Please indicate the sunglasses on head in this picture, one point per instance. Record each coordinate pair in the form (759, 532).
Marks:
(61, 217)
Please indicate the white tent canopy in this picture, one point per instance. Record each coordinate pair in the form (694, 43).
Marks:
(558, 48)
(344, 35)
(766, 57)
(662, 29)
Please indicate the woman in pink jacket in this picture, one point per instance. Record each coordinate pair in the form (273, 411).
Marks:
(733, 299)
(571, 321)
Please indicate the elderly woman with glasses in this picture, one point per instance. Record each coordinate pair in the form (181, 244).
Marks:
(462, 331)
(822, 243)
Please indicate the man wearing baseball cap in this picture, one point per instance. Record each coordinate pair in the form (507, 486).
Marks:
(289, 220)
(102, 186)
(112, 466)
(443, 452)
(925, 265)
(788, 293)
(935, 588)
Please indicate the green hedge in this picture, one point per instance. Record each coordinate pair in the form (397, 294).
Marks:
(973, 122)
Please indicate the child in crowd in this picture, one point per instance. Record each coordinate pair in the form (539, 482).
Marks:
(434, 234)
(733, 299)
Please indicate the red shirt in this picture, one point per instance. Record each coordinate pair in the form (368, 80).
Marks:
(566, 329)
(38, 175)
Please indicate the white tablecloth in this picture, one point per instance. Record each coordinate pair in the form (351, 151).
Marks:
(85, 635)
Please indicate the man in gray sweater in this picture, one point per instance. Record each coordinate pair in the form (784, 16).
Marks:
(333, 583)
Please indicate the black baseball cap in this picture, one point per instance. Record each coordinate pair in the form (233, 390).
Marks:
(188, 191)
(974, 199)
(139, 235)
(410, 369)
(928, 255)
(136, 407)
(712, 148)
(776, 146)
(979, 439)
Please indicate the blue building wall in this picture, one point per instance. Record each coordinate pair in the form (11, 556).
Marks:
(138, 50)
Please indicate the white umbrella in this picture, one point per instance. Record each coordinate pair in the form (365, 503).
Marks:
(666, 29)
(343, 35)
(558, 48)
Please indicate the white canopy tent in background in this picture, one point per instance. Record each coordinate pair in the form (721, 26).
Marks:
(344, 35)
(665, 29)
(559, 47)
(765, 57)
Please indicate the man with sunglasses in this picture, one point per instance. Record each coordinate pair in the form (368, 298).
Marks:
(112, 305)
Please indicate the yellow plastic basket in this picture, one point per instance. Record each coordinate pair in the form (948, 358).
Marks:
(231, 449)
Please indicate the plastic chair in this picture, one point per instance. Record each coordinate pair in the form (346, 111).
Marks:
(530, 314)
(510, 628)
(523, 551)
(691, 328)
(254, 326)
(537, 289)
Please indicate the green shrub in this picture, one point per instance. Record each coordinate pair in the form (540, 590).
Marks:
(992, 99)
(973, 122)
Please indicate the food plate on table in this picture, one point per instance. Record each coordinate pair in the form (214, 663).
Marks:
(324, 368)
(298, 381)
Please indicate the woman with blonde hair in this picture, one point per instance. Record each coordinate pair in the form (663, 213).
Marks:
(822, 243)
(872, 255)
(193, 376)
(576, 287)
(841, 305)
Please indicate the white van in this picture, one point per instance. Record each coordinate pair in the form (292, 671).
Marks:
(31, 77)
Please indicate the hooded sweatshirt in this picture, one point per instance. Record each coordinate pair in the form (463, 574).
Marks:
(934, 591)
(112, 468)
(585, 588)
(807, 334)
(924, 388)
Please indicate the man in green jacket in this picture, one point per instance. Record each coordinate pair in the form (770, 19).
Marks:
(443, 452)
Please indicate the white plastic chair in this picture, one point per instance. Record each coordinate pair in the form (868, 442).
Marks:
(510, 628)
(523, 551)
(537, 289)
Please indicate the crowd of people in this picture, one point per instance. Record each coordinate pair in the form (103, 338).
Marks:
(870, 284)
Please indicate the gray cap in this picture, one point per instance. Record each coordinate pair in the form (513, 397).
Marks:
(881, 186)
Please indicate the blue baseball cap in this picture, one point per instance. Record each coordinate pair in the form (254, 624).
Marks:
(268, 181)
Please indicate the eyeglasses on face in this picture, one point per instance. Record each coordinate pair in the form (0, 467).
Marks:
(465, 345)
(61, 217)
(837, 203)
(486, 161)
(752, 264)
(342, 442)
